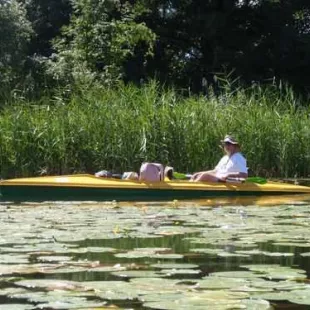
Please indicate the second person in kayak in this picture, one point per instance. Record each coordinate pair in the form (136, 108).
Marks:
(232, 165)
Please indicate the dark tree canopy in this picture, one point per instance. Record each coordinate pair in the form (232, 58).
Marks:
(177, 42)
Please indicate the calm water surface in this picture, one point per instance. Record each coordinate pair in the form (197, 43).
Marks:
(212, 254)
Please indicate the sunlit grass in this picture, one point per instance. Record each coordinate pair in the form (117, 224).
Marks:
(117, 129)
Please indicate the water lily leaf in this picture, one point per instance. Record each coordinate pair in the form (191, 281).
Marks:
(100, 250)
(88, 250)
(60, 299)
(53, 258)
(174, 266)
(277, 272)
(71, 303)
(179, 305)
(50, 284)
(286, 285)
(9, 291)
(199, 300)
(220, 283)
(110, 307)
(14, 259)
(21, 269)
(137, 274)
(146, 286)
(56, 269)
(235, 274)
(40, 247)
(116, 267)
(252, 304)
(293, 244)
(207, 251)
(72, 240)
(277, 254)
(229, 254)
(273, 296)
(150, 253)
(169, 272)
(7, 280)
(168, 296)
(250, 252)
(292, 275)
(175, 230)
(301, 297)
(15, 307)
(152, 250)
(112, 290)
(166, 256)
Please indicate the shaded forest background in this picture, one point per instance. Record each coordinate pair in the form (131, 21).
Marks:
(187, 44)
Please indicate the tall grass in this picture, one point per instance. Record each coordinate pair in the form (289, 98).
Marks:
(119, 128)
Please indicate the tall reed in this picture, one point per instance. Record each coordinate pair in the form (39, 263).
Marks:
(117, 129)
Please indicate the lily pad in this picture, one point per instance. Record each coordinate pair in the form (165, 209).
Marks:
(278, 254)
(230, 254)
(235, 274)
(112, 290)
(50, 284)
(207, 251)
(137, 274)
(198, 301)
(293, 244)
(54, 258)
(174, 266)
(220, 283)
(9, 291)
(72, 303)
(14, 259)
(301, 297)
(88, 244)
(277, 272)
(150, 253)
(16, 307)
(169, 272)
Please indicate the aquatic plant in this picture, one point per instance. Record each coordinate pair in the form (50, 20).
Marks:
(118, 128)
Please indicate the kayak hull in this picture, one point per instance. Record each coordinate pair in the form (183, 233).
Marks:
(90, 188)
(43, 193)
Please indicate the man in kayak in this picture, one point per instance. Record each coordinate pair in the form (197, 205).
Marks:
(232, 165)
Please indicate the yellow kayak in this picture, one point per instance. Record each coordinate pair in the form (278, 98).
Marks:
(89, 187)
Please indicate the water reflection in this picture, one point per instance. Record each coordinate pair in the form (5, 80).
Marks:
(86, 255)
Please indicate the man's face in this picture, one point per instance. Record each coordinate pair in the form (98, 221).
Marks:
(229, 147)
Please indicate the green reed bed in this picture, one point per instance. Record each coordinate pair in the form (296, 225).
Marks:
(117, 129)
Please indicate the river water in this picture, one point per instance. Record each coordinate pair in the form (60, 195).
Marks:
(209, 254)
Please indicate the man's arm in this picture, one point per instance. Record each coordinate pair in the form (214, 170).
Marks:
(243, 175)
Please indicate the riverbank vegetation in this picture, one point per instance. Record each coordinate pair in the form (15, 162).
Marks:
(118, 128)
(89, 85)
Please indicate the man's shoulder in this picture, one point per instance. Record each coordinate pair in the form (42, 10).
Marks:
(239, 156)
(225, 157)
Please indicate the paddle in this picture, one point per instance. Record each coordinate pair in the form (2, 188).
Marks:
(258, 180)
(181, 176)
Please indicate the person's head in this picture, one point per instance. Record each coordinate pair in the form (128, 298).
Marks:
(230, 144)
(168, 172)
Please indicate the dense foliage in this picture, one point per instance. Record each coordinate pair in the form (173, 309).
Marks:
(119, 128)
(15, 32)
(184, 43)
(67, 70)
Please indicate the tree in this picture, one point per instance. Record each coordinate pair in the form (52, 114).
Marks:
(102, 35)
(47, 18)
(15, 34)
(259, 40)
